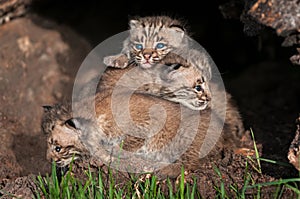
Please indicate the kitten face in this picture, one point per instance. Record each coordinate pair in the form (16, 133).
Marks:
(200, 95)
(187, 83)
(152, 38)
(64, 144)
(194, 95)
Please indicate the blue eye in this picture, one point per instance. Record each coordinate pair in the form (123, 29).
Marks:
(160, 45)
(198, 88)
(139, 46)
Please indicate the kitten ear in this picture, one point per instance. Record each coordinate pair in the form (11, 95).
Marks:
(73, 123)
(133, 23)
(47, 108)
(178, 29)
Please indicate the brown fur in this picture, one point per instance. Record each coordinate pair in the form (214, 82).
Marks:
(174, 79)
(139, 106)
(61, 136)
(111, 128)
(86, 140)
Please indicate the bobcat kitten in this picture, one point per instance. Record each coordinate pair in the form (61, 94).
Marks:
(175, 79)
(70, 137)
(181, 81)
(150, 39)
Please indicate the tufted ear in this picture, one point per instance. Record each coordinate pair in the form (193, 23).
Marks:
(177, 31)
(47, 108)
(133, 23)
(178, 28)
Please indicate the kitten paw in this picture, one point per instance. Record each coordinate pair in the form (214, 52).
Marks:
(116, 61)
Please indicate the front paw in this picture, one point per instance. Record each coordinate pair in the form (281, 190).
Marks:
(117, 61)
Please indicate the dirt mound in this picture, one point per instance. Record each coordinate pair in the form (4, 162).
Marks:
(38, 65)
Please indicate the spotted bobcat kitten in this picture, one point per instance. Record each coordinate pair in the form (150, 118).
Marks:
(182, 81)
(185, 81)
(81, 139)
(150, 39)
(64, 134)
(62, 148)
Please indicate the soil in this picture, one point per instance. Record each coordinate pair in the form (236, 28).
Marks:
(40, 55)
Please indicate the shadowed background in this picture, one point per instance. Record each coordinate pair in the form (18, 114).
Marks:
(256, 69)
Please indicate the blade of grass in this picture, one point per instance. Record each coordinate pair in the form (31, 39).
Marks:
(278, 191)
(182, 183)
(296, 190)
(258, 192)
(194, 188)
(187, 191)
(170, 188)
(222, 186)
(256, 152)
(277, 182)
(153, 186)
(111, 185)
(234, 188)
(276, 162)
(247, 180)
(41, 185)
(55, 189)
(100, 184)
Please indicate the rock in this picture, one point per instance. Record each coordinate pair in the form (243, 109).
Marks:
(294, 150)
(38, 63)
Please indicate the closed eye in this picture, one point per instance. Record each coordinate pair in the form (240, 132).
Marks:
(176, 66)
(173, 66)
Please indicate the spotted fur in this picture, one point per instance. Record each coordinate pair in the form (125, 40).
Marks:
(67, 140)
(150, 39)
(62, 147)
(189, 83)
(175, 78)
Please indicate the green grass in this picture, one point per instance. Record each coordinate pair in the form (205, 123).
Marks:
(100, 185)
(100, 188)
(249, 184)
(94, 187)
(149, 188)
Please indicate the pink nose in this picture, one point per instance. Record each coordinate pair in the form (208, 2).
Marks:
(147, 56)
